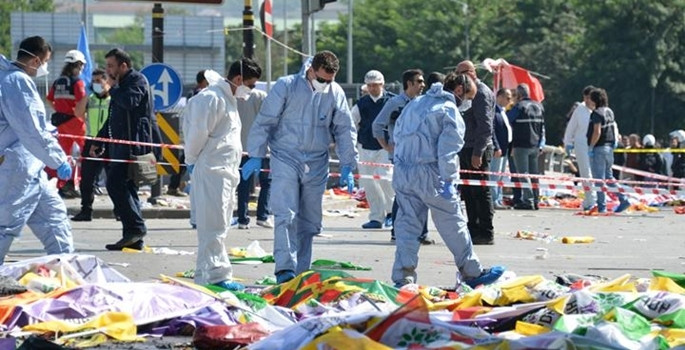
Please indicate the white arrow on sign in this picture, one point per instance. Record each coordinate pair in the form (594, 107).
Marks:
(164, 80)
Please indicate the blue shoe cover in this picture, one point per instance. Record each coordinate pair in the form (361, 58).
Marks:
(230, 285)
(487, 276)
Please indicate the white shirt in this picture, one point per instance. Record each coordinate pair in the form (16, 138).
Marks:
(576, 130)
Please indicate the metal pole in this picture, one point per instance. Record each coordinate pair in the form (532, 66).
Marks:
(350, 58)
(157, 56)
(248, 35)
(306, 34)
(84, 15)
(466, 16)
(285, 38)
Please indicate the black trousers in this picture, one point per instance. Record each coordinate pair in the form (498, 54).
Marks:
(124, 195)
(90, 169)
(478, 199)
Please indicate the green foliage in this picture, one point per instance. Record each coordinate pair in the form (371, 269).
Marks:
(7, 7)
(130, 35)
(632, 48)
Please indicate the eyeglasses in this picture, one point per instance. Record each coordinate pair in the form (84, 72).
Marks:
(322, 80)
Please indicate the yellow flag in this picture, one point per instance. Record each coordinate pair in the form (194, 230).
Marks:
(666, 285)
(343, 339)
(117, 325)
(530, 329)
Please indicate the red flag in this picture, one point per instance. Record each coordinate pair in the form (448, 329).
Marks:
(509, 76)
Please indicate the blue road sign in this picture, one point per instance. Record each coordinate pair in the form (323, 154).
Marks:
(165, 83)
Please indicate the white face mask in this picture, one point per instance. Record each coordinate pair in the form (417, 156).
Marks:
(242, 92)
(42, 70)
(97, 88)
(319, 87)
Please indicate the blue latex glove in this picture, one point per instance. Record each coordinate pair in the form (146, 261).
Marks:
(347, 178)
(252, 166)
(568, 149)
(448, 190)
(190, 167)
(64, 171)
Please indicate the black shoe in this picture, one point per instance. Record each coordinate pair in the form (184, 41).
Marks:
(82, 216)
(127, 242)
(427, 241)
(98, 191)
(524, 206)
(482, 241)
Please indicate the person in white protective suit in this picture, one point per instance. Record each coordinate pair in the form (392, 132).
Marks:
(27, 145)
(301, 116)
(211, 129)
(428, 137)
(575, 138)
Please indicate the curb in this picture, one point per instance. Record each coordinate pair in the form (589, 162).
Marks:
(171, 213)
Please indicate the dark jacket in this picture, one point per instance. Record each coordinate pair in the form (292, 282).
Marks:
(131, 105)
(368, 110)
(478, 120)
(652, 162)
(678, 166)
(528, 124)
(501, 135)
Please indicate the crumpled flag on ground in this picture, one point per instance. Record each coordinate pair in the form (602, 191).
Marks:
(327, 286)
(115, 325)
(228, 337)
(158, 251)
(79, 268)
(332, 264)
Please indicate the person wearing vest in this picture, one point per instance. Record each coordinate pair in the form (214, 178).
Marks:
(379, 192)
(528, 140)
(97, 114)
(601, 136)
(67, 96)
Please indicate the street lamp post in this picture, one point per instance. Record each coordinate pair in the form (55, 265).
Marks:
(465, 9)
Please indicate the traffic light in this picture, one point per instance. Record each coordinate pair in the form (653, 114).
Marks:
(317, 5)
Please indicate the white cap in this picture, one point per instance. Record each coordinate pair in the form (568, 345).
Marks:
(649, 140)
(74, 56)
(374, 77)
(678, 134)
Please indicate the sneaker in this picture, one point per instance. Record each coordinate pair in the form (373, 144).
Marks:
(284, 276)
(372, 225)
(243, 226)
(388, 221)
(268, 223)
(524, 206)
(175, 192)
(230, 285)
(404, 282)
(482, 241)
(591, 209)
(487, 276)
(82, 216)
(98, 191)
(623, 206)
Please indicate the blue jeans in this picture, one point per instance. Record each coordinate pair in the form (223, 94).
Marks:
(526, 160)
(244, 188)
(600, 164)
(497, 165)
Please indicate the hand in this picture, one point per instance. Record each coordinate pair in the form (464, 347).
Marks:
(252, 166)
(476, 162)
(347, 178)
(448, 190)
(64, 171)
(96, 151)
(568, 149)
(498, 153)
(190, 168)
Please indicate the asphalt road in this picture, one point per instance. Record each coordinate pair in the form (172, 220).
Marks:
(624, 244)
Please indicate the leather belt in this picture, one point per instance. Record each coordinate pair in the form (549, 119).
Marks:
(2, 159)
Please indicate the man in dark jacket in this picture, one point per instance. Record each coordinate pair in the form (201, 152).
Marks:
(131, 118)
(476, 155)
(528, 124)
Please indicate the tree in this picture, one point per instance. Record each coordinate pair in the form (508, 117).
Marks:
(7, 7)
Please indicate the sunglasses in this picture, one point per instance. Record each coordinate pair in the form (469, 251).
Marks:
(322, 80)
